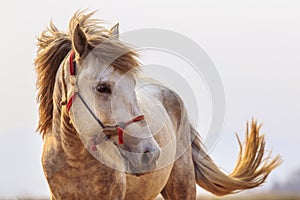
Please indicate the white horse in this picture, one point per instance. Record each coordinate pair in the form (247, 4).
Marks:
(104, 138)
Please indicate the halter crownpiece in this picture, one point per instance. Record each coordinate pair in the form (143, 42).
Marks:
(72, 69)
(119, 127)
(72, 63)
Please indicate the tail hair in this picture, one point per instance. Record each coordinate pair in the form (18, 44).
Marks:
(251, 169)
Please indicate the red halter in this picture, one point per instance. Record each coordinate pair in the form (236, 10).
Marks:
(120, 127)
(72, 69)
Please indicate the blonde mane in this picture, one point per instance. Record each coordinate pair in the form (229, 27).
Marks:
(54, 45)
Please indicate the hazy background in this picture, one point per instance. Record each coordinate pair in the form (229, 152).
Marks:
(254, 44)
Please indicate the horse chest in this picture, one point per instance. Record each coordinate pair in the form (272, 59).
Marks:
(147, 186)
(94, 182)
(80, 179)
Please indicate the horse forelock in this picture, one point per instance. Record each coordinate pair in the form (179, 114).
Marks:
(54, 45)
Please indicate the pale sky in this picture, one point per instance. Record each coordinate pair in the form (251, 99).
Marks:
(254, 44)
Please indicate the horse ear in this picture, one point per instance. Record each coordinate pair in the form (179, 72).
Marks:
(80, 41)
(114, 31)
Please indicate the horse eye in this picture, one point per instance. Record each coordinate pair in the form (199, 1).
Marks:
(104, 88)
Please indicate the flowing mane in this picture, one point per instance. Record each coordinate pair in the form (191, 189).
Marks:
(54, 45)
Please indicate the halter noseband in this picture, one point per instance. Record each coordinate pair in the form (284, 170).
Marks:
(119, 127)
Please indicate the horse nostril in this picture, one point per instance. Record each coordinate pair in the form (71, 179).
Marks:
(150, 156)
(146, 156)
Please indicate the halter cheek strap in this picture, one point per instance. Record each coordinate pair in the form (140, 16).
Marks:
(120, 127)
(72, 69)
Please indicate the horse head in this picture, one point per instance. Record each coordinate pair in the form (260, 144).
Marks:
(99, 77)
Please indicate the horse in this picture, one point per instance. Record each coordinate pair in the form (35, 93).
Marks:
(105, 139)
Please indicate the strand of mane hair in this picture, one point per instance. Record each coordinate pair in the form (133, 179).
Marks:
(53, 46)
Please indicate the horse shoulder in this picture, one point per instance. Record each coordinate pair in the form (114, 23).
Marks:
(52, 156)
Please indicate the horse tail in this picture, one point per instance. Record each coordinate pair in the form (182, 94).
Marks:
(250, 171)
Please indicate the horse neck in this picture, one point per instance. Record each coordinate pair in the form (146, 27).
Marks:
(63, 129)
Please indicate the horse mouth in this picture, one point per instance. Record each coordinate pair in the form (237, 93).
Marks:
(131, 169)
(136, 174)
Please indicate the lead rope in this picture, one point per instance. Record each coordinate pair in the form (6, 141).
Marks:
(120, 127)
